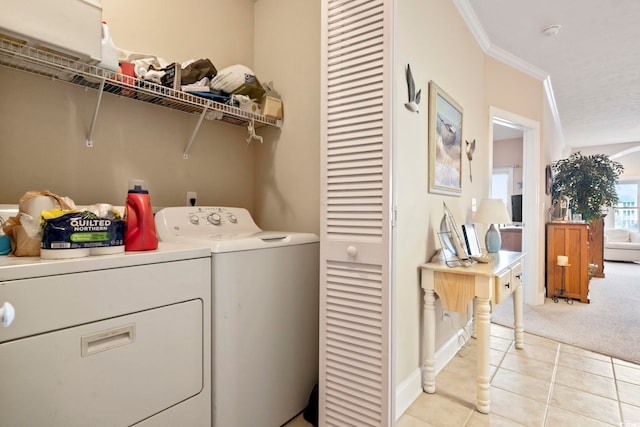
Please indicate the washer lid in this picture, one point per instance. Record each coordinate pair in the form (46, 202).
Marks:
(256, 241)
(7, 211)
(224, 229)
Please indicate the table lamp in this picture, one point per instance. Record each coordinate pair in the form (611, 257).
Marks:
(492, 211)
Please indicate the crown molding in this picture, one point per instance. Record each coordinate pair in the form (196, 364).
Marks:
(472, 21)
(553, 108)
(626, 152)
(517, 63)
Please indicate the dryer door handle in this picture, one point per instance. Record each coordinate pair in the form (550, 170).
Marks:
(7, 314)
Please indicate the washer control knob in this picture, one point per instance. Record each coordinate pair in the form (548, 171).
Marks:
(214, 219)
(233, 219)
(193, 219)
(352, 251)
(7, 314)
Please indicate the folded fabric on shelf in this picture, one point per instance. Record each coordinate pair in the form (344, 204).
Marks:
(197, 70)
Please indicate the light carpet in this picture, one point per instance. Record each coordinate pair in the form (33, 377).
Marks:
(609, 325)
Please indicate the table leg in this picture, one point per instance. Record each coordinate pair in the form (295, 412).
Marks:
(429, 372)
(483, 326)
(474, 325)
(518, 322)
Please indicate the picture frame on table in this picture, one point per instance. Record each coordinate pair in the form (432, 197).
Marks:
(471, 240)
(445, 143)
(450, 238)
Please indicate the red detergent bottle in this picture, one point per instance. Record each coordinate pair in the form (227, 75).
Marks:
(140, 228)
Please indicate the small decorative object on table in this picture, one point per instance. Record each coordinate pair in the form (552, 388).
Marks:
(452, 243)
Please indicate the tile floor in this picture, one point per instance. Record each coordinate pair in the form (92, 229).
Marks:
(546, 384)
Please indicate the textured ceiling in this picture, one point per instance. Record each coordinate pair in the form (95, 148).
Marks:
(593, 62)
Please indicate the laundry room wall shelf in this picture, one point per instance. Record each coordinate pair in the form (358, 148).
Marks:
(58, 67)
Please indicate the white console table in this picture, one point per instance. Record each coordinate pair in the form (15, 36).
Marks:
(488, 283)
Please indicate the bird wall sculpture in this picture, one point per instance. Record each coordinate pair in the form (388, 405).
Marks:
(471, 147)
(414, 98)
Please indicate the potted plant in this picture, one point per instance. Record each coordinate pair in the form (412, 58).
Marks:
(589, 182)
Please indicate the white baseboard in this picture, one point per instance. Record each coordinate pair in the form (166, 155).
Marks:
(449, 349)
(410, 388)
(408, 391)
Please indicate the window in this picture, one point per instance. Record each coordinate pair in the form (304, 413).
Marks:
(625, 213)
(501, 185)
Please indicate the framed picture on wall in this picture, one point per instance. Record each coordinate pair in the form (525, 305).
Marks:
(548, 180)
(445, 143)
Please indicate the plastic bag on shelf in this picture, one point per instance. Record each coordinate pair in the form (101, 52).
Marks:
(238, 80)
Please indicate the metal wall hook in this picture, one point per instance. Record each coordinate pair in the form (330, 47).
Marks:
(252, 133)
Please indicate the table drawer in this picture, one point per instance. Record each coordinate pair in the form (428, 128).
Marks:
(507, 282)
(516, 276)
(503, 286)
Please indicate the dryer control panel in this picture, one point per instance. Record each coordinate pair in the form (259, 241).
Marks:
(200, 221)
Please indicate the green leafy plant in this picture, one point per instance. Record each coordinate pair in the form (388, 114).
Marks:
(588, 181)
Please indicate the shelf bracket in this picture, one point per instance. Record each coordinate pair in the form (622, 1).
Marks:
(89, 142)
(185, 155)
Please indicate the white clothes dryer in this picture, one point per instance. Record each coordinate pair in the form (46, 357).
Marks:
(264, 312)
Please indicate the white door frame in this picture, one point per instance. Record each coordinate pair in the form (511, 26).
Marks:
(532, 207)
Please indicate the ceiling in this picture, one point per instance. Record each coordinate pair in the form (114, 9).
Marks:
(592, 65)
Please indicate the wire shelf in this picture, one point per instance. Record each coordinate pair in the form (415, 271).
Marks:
(55, 65)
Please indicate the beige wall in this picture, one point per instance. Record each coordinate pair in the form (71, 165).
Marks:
(44, 125)
(507, 153)
(513, 91)
(221, 30)
(433, 38)
(287, 170)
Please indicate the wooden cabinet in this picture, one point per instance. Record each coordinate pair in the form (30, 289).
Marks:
(511, 239)
(596, 246)
(572, 241)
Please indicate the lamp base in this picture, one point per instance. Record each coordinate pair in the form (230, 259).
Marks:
(492, 240)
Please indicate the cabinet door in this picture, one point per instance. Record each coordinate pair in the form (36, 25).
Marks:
(573, 244)
(114, 372)
(569, 240)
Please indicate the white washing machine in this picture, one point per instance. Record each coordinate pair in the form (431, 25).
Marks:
(264, 313)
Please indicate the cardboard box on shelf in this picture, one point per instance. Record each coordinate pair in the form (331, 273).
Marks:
(271, 107)
(244, 103)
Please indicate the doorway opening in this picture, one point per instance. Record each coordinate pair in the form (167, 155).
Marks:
(532, 211)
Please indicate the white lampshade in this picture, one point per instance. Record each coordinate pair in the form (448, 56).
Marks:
(492, 211)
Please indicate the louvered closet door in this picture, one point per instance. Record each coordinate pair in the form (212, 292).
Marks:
(355, 310)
